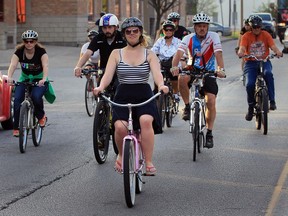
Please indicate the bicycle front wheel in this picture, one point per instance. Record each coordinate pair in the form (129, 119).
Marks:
(139, 176)
(90, 99)
(23, 127)
(161, 109)
(169, 110)
(101, 132)
(195, 130)
(129, 172)
(264, 111)
(36, 132)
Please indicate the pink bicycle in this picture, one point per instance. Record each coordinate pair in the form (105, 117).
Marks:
(133, 159)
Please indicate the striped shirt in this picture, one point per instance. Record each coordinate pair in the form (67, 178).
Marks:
(128, 74)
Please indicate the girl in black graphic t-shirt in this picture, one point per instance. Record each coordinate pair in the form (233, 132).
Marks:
(34, 65)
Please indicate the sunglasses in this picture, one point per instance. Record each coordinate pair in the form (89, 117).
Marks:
(134, 31)
(29, 41)
(256, 27)
(171, 30)
(174, 20)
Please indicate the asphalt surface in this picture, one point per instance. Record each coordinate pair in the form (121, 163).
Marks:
(59, 56)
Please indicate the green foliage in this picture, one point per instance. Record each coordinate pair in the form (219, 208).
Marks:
(268, 8)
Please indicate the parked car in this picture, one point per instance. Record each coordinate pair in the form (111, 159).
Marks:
(6, 101)
(268, 22)
(216, 27)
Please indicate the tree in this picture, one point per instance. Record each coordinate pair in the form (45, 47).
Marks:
(206, 6)
(161, 7)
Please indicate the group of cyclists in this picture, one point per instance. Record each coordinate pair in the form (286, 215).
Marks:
(123, 53)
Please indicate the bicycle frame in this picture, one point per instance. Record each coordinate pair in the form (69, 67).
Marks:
(261, 108)
(196, 98)
(133, 159)
(131, 134)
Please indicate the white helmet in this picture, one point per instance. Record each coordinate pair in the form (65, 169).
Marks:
(173, 15)
(30, 34)
(201, 18)
(109, 20)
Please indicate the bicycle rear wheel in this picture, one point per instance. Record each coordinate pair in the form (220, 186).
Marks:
(195, 130)
(101, 132)
(36, 132)
(264, 111)
(129, 173)
(169, 110)
(90, 100)
(23, 127)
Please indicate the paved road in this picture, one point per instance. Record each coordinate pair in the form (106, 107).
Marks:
(244, 174)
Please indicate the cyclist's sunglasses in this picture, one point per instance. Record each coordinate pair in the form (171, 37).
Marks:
(29, 41)
(134, 31)
(168, 29)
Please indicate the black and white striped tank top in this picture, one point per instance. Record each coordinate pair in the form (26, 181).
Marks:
(128, 74)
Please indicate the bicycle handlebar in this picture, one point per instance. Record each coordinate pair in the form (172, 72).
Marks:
(270, 56)
(85, 71)
(31, 83)
(198, 73)
(130, 104)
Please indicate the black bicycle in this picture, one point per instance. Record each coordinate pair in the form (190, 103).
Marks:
(27, 119)
(91, 83)
(197, 122)
(168, 105)
(261, 96)
(103, 128)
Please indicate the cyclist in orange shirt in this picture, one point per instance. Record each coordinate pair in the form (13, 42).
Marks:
(257, 42)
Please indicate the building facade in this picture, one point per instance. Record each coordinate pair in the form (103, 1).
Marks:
(65, 22)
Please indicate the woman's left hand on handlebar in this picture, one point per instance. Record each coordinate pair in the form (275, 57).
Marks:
(164, 88)
(97, 91)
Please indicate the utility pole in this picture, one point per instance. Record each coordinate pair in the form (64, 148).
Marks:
(221, 11)
(229, 13)
(241, 15)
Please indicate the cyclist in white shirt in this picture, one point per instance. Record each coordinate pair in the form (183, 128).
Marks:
(165, 48)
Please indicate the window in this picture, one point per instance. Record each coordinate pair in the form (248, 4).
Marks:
(21, 11)
(1, 10)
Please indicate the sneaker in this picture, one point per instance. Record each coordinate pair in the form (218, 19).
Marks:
(16, 133)
(273, 105)
(186, 114)
(249, 114)
(42, 122)
(209, 141)
(176, 97)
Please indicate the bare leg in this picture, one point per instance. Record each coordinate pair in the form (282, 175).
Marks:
(120, 132)
(183, 87)
(211, 110)
(147, 138)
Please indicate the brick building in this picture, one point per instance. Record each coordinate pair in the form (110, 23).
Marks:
(65, 22)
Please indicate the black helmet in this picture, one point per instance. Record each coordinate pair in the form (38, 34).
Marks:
(92, 33)
(131, 22)
(246, 21)
(168, 23)
(255, 21)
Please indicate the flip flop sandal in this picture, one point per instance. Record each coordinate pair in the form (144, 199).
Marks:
(150, 171)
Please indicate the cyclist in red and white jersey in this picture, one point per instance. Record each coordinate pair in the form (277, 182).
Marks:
(206, 49)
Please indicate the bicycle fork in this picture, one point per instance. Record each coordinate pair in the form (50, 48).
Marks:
(192, 108)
